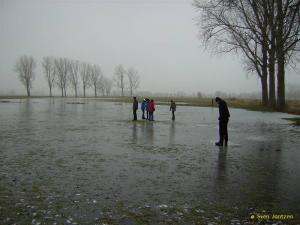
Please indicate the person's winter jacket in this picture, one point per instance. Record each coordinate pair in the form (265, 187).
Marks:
(223, 110)
(135, 105)
(144, 105)
(173, 106)
(151, 106)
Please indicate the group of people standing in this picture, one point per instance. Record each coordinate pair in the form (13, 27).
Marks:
(148, 107)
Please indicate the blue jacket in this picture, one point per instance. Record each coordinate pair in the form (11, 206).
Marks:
(144, 105)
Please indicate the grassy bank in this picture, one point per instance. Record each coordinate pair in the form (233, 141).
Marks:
(295, 120)
(292, 107)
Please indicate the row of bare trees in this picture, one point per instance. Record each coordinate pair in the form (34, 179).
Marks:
(64, 73)
(266, 32)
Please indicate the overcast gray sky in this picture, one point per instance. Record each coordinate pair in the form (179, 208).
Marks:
(157, 37)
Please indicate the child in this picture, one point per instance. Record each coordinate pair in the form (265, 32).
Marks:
(143, 108)
(151, 109)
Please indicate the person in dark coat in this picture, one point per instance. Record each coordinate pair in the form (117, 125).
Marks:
(173, 109)
(223, 122)
(135, 107)
(146, 108)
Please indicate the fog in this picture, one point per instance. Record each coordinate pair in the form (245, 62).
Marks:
(160, 38)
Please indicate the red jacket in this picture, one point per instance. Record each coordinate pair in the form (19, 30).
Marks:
(151, 106)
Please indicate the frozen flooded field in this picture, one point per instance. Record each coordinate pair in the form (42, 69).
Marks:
(88, 163)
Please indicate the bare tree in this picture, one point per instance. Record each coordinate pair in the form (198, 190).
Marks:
(101, 85)
(74, 75)
(85, 71)
(95, 76)
(119, 78)
(133, 80)
(50, 72)
(265, 31)
(105, 85)
(278, 21)
(25, 66)
(59, 77)
(108, 84)
(231, 26)
(62, 66)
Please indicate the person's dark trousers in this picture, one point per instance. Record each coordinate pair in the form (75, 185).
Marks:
(134, 115)
(148, 115)
(143, 116)
(151, 116)
(223, 132)
(173, 115)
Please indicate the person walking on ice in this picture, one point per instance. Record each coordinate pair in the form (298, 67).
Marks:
(223, 122)
(173, 109)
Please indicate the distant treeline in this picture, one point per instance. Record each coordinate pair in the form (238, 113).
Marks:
(63, 73)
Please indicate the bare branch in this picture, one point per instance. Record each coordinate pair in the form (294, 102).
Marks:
(119, 78)
(133, 80)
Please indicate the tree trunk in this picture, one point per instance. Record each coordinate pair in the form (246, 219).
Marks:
(50, 91)
(272, 97)
(264, 69)
(95, 87)
(272, 48)
(62, 92)
(264, 90)
(75, 91)
(280, 59)
(281, 82)
(122, 92)
(28, 90)
(83, 91)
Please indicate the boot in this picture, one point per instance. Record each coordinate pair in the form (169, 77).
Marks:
(219, 143)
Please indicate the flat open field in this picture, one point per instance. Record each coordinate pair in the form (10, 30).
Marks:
(292, 107)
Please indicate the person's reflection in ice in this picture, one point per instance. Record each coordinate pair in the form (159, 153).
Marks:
(172, 133)
(222, 157)
(134, 133)
(149, 133)
(221, 183)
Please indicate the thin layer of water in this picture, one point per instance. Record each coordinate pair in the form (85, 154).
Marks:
(89, 163)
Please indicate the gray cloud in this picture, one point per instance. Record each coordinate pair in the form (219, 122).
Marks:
(158, 38)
